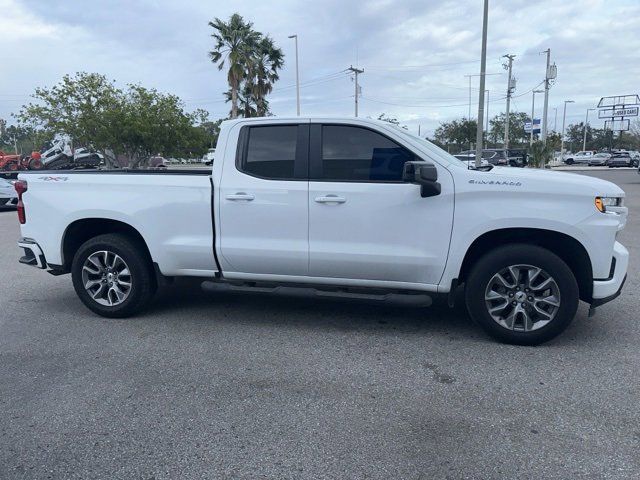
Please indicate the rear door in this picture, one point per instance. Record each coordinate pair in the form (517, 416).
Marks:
(264, 216)
(365, 223)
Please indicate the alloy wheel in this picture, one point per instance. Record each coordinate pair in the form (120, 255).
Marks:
(106, 278)
(522, 298)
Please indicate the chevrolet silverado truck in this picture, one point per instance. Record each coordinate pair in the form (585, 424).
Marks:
(344, 205)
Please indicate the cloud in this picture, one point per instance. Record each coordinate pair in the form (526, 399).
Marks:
(415, 54)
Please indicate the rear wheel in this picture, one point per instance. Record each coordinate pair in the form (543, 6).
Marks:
(113, 275)
(522, 294)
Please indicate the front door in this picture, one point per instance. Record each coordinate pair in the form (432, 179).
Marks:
(264, 216)
(365, 223)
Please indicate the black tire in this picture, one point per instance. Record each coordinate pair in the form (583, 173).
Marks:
(143, 282)
(521, 254)
(569, 161)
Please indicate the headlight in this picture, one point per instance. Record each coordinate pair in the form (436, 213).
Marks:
(603, 202)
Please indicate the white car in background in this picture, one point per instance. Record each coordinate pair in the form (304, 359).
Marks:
(579, 157)
(8, 195)
(600, 159)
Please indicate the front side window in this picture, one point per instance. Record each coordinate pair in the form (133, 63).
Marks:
(271, 152)
(358, 154)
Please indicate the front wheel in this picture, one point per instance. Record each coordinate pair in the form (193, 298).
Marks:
(113, 275)
(522, 294)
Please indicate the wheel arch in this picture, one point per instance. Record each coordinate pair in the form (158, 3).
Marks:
(570, 250)
(79, 231)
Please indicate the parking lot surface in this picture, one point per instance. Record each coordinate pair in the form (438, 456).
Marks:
(236, 385)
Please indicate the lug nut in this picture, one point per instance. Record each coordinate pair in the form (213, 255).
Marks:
(514, 303)
(530, 299)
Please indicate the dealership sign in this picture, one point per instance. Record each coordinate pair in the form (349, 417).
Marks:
(536, 126)
(618, 112)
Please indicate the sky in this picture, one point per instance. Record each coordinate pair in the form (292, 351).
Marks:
(415, 53)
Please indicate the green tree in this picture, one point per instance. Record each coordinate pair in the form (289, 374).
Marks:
(136, 122)
(77, 106)
(459, 133)
(235, 43)
(253, 62)
(517, 135)
(263, 73)
(541, 154)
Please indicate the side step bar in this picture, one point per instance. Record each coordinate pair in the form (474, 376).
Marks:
(298, 290)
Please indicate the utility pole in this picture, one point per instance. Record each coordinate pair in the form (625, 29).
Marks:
(555, 120)
(356, 72)
(487, 108)
(586, 120)
(564, 115)
(483, 69)
(550, 73)
(509, 66)
(533, 111)
(295, 36)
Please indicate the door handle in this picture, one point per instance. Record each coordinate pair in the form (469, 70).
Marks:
(240, 196)
(330, 199)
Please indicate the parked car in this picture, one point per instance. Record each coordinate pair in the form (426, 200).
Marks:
(158, 162)
(470, 160)
(498, 156)
(581, 157)
(346, 205)
(8, 195)
(621, 160)
(599, 159)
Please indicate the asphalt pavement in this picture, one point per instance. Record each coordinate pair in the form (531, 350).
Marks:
(236, 385)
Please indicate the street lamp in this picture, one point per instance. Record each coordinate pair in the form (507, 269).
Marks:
(533, 108)
(584, 138)
(295, 36)
(564, 115)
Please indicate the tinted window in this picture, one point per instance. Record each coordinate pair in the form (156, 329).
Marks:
(271, 152)
(352, 153)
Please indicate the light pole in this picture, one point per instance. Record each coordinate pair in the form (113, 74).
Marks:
(295, 36)
(533, 109)
(564, 115)
(584, 137)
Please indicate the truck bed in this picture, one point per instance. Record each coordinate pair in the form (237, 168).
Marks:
(170, 209)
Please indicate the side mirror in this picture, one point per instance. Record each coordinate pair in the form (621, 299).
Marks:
(424, 174)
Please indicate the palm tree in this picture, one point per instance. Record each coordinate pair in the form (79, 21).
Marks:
(235, 47)
(263, 72)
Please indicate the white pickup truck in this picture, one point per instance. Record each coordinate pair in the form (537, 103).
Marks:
(346, 205)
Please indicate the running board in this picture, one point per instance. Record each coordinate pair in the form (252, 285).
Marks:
(377, 295)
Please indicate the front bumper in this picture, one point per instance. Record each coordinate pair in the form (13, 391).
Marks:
(33, 255)
(606, 290)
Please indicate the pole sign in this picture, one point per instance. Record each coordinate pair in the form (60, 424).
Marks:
(536, 126)
(615, 109)
(617, 125)
(618, 112)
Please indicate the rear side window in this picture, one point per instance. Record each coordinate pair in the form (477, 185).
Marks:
(358, 154)
(271, 152)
